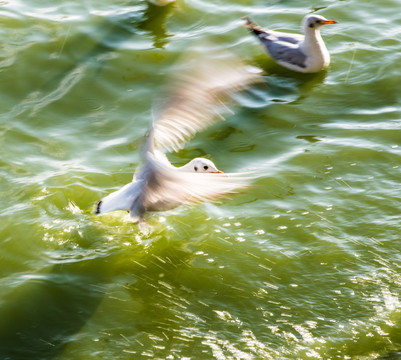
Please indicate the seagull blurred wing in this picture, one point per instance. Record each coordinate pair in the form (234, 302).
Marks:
(167, 187)
(195, 99)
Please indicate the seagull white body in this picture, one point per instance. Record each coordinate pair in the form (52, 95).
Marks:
(193, 104)
(303, 53)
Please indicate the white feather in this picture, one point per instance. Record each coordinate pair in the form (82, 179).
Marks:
(198, 98)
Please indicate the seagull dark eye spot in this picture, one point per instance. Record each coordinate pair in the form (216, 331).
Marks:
(206, 167)
(196, 168)
(311, 25)
(318, 21)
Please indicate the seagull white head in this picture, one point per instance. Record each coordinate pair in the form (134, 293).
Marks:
(315, 22)
(201, 165)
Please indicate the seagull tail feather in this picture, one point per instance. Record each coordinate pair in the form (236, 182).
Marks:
(118, 200)
(252, 26)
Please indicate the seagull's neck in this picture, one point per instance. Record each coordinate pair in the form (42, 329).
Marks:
(313, 41)
(187, 167)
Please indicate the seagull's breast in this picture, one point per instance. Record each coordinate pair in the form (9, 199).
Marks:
(317, 55)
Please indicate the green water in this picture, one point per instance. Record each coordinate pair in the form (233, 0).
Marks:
(305, 264)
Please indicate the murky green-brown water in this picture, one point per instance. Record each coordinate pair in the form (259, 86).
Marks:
(305, 264)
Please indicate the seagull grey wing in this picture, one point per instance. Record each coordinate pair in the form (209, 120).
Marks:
(272, 34)
(195, 99)
(284, 52)
(167, 187)
(290, 38)
(281, 46)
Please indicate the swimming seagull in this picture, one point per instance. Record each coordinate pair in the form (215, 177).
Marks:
(304, 53)
(194, 102)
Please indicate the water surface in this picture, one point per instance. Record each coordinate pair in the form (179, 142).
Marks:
(305, 264)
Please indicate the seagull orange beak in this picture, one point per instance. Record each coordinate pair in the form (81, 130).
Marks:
(220, 172)
(328, 22)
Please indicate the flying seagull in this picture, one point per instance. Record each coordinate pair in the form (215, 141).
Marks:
(304, 53)
(195, 101)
